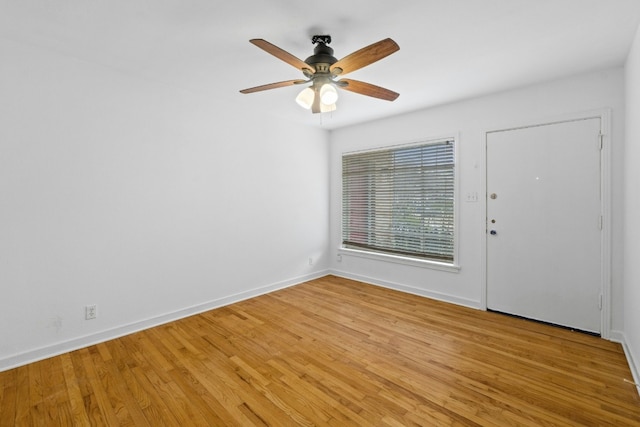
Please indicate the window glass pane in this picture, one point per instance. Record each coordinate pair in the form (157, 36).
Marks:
(400, 201)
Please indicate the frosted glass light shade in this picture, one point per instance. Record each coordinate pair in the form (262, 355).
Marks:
(328, 94)
(305, 98)
(324, 108)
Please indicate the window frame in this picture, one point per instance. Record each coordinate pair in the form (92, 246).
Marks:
(408, 259)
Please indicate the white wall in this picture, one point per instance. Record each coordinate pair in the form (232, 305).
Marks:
(470, 119)
(147, 200)
(632, 209)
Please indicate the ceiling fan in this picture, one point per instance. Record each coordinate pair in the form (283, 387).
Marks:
(322, 69)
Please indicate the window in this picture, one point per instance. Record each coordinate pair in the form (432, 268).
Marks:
(400, 201)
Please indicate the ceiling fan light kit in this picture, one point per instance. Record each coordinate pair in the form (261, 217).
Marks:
(322, 69)
(305, 98)
(328, 94)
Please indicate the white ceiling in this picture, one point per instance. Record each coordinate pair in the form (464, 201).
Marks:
(449, 49)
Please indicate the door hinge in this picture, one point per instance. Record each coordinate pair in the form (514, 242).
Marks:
(601, 141)
(600, 302)
(600, 222)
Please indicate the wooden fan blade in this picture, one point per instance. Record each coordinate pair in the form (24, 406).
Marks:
(282, 54)
(272, 86)
(367, 89)
(365, 56)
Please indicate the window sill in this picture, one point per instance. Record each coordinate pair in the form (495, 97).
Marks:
(396, 259)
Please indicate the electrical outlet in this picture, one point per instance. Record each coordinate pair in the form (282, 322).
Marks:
(90, 312)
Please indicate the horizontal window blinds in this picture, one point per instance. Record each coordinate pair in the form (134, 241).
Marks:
(400, 201)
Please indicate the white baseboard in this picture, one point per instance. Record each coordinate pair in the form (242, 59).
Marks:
(620, 337)
(409, 289)
(56, 349)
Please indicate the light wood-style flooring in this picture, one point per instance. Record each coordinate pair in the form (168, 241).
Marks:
(331, 352)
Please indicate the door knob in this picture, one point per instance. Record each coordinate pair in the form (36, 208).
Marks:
(493, 232)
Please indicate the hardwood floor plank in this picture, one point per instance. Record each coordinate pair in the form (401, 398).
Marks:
(22, 407)
(100, 406)
(35, 384)
(8, 408)
(331, 352)
(121, 391)
(298, 392)
(292, 410)
(76, 402)
(157, 412)
(55, 396)
(209, 407)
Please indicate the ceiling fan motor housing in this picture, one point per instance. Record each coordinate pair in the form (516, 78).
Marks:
(322, 57)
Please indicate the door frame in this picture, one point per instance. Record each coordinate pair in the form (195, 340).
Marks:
(605, 204)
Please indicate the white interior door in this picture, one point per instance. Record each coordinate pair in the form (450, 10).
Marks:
(544, 222)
